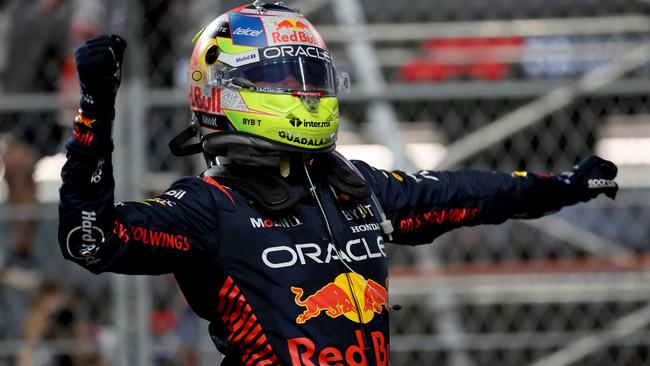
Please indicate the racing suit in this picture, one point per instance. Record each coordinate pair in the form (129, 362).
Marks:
(305, 285)
(282, 288)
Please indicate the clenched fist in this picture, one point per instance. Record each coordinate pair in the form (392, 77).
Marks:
(591, 177)
(99, 64)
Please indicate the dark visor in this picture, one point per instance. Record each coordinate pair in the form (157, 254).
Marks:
(286, 76)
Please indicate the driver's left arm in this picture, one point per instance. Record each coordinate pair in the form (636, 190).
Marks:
(426, 204)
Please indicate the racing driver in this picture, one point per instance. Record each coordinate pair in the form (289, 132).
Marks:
(281, 243)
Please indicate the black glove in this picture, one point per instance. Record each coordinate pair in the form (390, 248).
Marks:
(99, 64)
(591, 177)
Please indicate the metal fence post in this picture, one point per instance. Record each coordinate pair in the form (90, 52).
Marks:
(132, 296)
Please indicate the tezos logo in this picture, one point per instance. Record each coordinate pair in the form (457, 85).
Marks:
(83, 241)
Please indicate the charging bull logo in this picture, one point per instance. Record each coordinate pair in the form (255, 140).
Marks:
(291, 23)
(83, 120)
(350, 295)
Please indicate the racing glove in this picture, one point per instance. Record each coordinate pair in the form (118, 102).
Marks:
(550, 192)
(99, 64)
(591, 177)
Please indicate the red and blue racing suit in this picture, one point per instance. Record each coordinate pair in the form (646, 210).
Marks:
(280, 289)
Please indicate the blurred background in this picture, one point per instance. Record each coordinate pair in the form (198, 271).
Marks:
(437, 84)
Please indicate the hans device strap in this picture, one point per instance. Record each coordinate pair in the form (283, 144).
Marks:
(267, 190)
(340, 176)
(177, 144)
(273, 194)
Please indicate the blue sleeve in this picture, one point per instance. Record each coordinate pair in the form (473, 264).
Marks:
(426, 204)
(154, 236)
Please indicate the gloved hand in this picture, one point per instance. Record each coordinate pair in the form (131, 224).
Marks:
(591, 177)
(99, 64)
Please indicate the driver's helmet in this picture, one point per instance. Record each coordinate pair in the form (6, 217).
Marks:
(260, 75)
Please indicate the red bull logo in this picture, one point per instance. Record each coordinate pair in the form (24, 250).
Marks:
(291, 23)
(83, 120)
(375, 297)
(294, 31)
(205, 103)
(83, 137)
(304, 351)
(350, 295)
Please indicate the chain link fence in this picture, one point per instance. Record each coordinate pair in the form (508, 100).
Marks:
(497, 85)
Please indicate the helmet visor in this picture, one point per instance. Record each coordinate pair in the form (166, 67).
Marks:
(285, 76)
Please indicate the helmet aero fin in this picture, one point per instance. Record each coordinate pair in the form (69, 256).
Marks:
(260, 75)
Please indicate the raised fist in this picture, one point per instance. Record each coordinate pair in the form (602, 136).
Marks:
(99, 64)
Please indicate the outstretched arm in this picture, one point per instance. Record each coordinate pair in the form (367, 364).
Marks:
(153, 236)
(424, 205)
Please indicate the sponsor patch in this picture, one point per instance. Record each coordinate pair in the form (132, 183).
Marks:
(439, 217)
(601, 183)
(83, 137)
(83, 120)
(161, 239)
(247, 30)
(303, 140)
(97, 174)
(205, 103)
(304, 352)
(176, 193)
(292, 30)
(297, 122)
(271, 53)
(83, 241)
(285, 222)
(354, 250)
(350, 295)
(240, 59)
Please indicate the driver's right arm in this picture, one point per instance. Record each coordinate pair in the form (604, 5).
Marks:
(154, 236)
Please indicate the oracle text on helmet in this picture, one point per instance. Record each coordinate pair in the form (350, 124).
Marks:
(270, 53)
